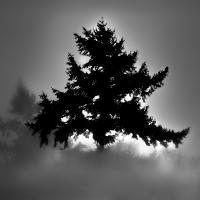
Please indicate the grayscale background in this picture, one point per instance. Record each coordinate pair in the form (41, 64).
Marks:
(35, 37)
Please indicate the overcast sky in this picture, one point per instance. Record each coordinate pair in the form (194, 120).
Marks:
(35, 37)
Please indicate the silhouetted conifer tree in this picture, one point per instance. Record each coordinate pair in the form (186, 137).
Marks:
(103, 94)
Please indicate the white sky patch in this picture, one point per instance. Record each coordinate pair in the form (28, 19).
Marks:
(85, 143)
(133, 146)
(144, 150)
(95, 98)
(112, 132)
(128, 97)
(64, 119)
(142, 103)
(87, 114)
(139, 148)
(83, 59)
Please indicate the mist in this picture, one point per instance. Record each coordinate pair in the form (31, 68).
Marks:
(73, 174)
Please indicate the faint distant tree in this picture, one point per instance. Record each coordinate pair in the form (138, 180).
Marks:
(103, 95)
(23, 103)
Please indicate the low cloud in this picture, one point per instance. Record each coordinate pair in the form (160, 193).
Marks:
(75, 175)
(121, 173)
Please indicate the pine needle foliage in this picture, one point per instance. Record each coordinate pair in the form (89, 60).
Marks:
(103, 95)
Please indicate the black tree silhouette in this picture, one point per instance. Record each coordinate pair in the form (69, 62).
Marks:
(103, 95)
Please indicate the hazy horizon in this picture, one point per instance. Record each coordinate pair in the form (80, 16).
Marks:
(35, 38)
